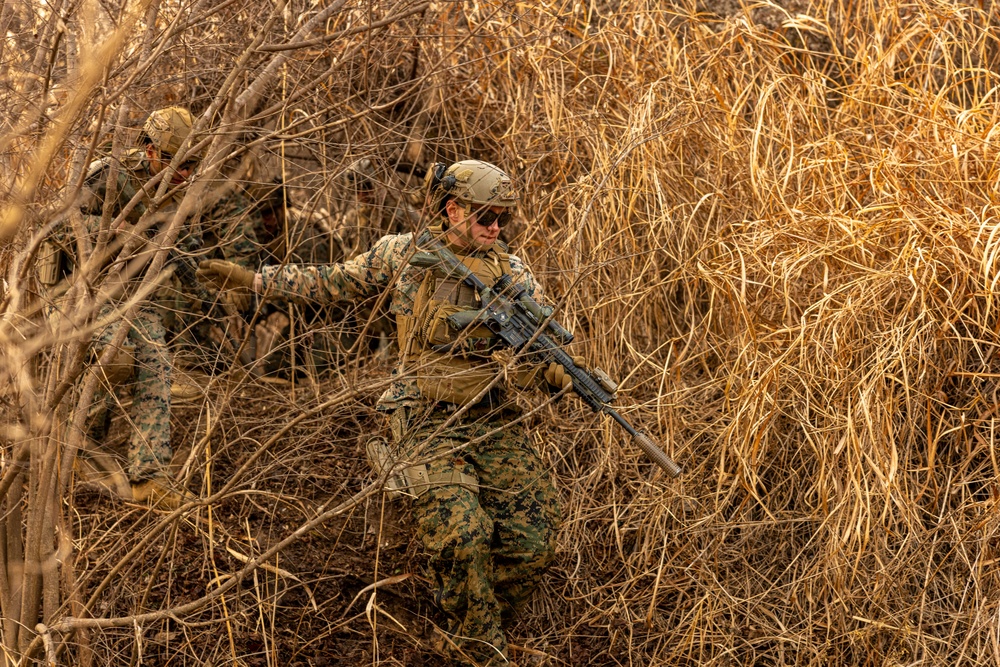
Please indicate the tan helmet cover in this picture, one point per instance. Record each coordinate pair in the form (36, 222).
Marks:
(360, 174)
(479, 183)
(168, 128)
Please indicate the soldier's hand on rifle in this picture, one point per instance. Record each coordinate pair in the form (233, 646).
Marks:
(235, 281)
(557, 376)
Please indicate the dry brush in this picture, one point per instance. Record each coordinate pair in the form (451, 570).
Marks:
(776, 224)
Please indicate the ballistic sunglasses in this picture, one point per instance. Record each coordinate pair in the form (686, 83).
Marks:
(486, 217)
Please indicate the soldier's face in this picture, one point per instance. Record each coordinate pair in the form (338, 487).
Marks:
(158, 161)
(467, 231)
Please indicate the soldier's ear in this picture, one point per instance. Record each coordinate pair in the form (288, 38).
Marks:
(451, 209)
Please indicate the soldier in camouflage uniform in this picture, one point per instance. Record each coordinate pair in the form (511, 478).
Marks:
(144, 361)
(485, 507)
(228, 230)
(149, 446)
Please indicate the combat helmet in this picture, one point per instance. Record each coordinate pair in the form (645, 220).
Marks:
(168, 128)
(472, 182)
(360, 175)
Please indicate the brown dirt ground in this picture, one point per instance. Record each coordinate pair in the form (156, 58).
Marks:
(323, 617)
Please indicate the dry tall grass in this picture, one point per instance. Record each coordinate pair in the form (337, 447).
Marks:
(777, 226)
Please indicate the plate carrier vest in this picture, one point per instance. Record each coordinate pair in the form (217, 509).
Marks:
(450, 365)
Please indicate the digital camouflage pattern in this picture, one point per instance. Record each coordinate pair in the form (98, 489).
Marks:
(133, 173)
(488, 551)
(149, 449)
(384, 267)
(226, 230)
(231, 229)
(149, 415)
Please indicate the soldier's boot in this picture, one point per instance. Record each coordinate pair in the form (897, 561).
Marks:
(188, 384)
(158, 493)
(95, 466)
(442, 643)
(182, 391)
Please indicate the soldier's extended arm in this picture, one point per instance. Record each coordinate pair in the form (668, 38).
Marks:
(363, 276)
(521, 323)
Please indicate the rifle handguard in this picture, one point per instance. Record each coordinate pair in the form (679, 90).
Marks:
(425, 260)
(505, 284)
(655, 454)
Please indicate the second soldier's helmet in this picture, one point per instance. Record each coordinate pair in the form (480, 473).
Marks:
(360, 175)
(471, 182)
(168, 128)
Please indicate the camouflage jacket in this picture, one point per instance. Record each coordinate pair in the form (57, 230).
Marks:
(133, 173)
(226, 230)
(366, 276)
(230, 230)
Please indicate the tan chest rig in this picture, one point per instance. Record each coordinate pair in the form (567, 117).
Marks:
(451, 365)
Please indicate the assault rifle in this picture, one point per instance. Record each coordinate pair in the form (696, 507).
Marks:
(516, 319)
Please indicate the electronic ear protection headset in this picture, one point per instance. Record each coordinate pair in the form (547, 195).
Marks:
(445, 183)
(438, 179)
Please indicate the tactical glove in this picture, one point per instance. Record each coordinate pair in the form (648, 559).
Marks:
(235, 281)
(557, 376)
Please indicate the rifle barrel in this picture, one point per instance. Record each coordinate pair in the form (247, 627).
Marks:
(647, 445)
(516, 329)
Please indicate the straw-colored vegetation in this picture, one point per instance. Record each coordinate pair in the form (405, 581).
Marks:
(776, 224)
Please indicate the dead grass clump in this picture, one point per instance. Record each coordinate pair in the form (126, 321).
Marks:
(776, 226)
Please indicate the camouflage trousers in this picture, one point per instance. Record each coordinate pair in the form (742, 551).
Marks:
(488, 549)
(149, 415)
